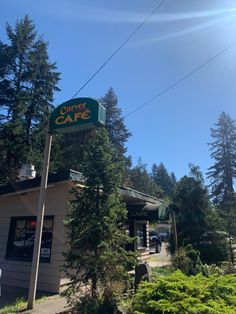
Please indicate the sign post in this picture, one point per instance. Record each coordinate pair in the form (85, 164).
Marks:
(39, 225)
(73, 115)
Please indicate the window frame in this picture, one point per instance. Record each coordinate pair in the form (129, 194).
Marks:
(11, 236)
(143, 226)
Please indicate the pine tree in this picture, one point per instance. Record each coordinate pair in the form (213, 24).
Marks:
(223, 152)
(162, 178)
(95, 224)
(116, 128)
(140, 180)
(118, 134)
(173, 179)
(195, 218)
(27, 83)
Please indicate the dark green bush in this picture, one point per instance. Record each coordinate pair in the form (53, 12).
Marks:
(99, 305)
(214, 249)
(181, 294)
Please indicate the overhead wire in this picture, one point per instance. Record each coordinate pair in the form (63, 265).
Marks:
(120, 47)
(164, 91)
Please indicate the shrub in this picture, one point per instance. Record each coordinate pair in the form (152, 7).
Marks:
(222, 269)
(181, 294)
(98, 305)
(187, 260)
(214, 248)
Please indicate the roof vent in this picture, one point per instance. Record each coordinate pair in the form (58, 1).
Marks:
(26, 172)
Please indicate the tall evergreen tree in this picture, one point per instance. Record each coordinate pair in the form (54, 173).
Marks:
(173, 179)
(97, 255)
(195, 217)
(223, 151)
(27, 83)
(118, 134)
(115, 125)
(140, 180)
(162, 178)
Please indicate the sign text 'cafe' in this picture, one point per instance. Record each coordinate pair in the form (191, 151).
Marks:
(77, 114)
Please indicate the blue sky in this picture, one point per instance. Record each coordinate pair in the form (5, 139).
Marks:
(175, 128)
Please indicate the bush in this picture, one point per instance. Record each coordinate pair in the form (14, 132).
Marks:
(214, 249)
(222, 269)
(181, 294)
(98, 305)
(187, 260)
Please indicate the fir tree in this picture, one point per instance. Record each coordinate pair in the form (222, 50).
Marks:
(162, 178)
(192, 207)
(95, 224)
(116, 128)
(140, 180)
(223, 152)
(118, 134)
(27, 83)
(195, 217)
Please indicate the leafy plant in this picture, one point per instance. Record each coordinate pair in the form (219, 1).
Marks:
(187, 260)
(181, 294)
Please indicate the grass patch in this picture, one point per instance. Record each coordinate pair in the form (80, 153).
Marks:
(163, 270)
(19, 306)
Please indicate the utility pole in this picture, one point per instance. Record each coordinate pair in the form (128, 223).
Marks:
(39, 225)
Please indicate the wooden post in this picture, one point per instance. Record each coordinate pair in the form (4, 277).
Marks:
(39, 226)
(174, 230)
(231, 249)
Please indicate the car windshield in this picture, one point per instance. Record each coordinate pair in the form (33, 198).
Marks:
(153, 233)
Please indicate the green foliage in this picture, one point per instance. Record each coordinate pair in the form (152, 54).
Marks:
(27, 83)
(187, 260)
(162, 178)
(227, 212)
(223, 172)
(118, 133)
(95, 222)
(223, 151)
(192, 207)
(162, 270)
(195, 218)
(99, 305)
(19, 306)
(214, 247)
(223, 268)
(181, 294)
(140, 180)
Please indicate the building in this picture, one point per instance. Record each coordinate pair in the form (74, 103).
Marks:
(18, 203)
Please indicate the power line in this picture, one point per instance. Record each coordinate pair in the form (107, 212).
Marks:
(120, 47)
(198, 68)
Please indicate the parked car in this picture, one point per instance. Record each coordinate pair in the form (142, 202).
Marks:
(164, 236)
(155, 241)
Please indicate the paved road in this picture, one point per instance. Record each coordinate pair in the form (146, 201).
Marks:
(159, 259)
(53, 305)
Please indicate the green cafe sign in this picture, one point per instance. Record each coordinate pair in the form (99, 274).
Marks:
(76, 115)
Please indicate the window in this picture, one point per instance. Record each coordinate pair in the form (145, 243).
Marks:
(141, 236)
(21, 238)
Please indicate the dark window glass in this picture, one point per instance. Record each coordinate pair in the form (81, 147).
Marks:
(141, 236)
(21, 238)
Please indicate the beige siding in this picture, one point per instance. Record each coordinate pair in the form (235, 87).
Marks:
(17, 273)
